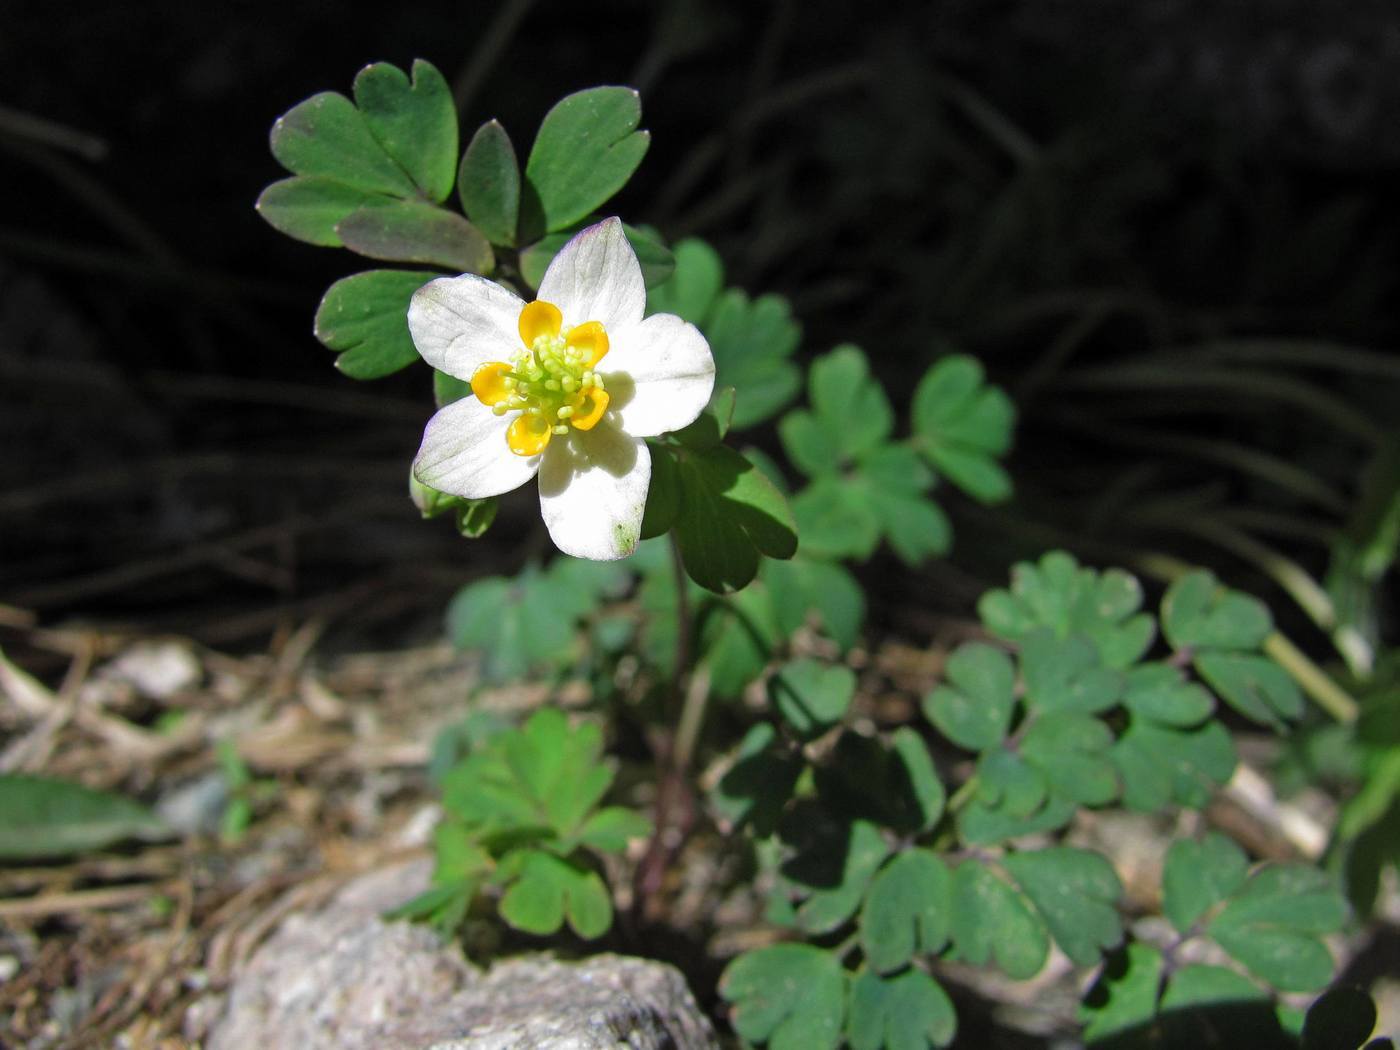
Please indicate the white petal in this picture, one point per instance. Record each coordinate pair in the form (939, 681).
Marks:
(593, 492)
(460, 323)
(596, 277)
(659, 375)
(464, 453)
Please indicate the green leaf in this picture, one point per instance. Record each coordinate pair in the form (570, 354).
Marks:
(1076, 893)
(1160, 693)
(975, 710)
(730, 515)
(610, 829)
(1197, 612)
(982, 825)
(758, 784)
(587, 148)
(327, 136)
(1274, 924)
(546, 889)
(1058, 594)
(663, 493)
(834, 522)
(529, 622)
(791, 996)
(46, 817)
(364, 318)
(907, 910)
(1160, 765)
(924, 788)
(308, 208)
(916, 528)
(416, 232)
(1006, 780)
(1063, 674)
(834, 894)
(990, 919)
(802, 585)
(442, 907)
(693, 287)
(488, 183)
(910, 1011)
(812, 447)
(1071, 750)
(963, 426)
(751, 341)
(737, 639)
(1202, 985)
(415, 123)
(812, 696)
(850, 414)
(1253, 685)
(1124, 997)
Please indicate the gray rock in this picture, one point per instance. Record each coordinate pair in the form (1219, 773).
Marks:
(343, 978)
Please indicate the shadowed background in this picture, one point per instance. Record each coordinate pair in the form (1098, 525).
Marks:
(1058, 188)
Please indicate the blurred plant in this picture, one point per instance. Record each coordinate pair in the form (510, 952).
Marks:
(876, 873)
(246, 794)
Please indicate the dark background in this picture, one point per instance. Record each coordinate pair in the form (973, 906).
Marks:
(1049, 185)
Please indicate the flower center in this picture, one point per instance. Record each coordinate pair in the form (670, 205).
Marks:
(550, 382)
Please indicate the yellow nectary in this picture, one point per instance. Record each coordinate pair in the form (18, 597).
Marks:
(550, 382)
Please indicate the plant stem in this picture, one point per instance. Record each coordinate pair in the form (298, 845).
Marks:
(675, 798)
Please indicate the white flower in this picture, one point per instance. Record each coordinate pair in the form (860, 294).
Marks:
(566, 386)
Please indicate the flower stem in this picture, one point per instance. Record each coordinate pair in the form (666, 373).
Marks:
(675, 797)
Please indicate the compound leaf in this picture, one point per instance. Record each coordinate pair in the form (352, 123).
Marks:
(488, 184)
(587, 148)
(417, 232)
(991, 920)
(1198, 876)
(907, 910)
(974, 711)
(415, 122)
(909, 1011)
(364, 318)
(1076, 892)
(812, 696)
(791, 996)
(963, 426)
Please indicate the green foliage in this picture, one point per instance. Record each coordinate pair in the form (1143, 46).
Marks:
(245, 793)
(587, 148)
(751, 340)
(726, 514)
(46, 817)
(790, 996)
(909, 1011)
(524, 815)
(362, 319)
(812, 696)
(963, 426)
(488, 183)
(864, 488)
(530, 622)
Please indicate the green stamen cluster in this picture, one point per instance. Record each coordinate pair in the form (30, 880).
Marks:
(549, 380)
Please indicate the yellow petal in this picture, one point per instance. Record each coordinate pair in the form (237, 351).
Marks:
(590, 409)
(528, 435)
(489, 383)
(590, 339)
(539, 318)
